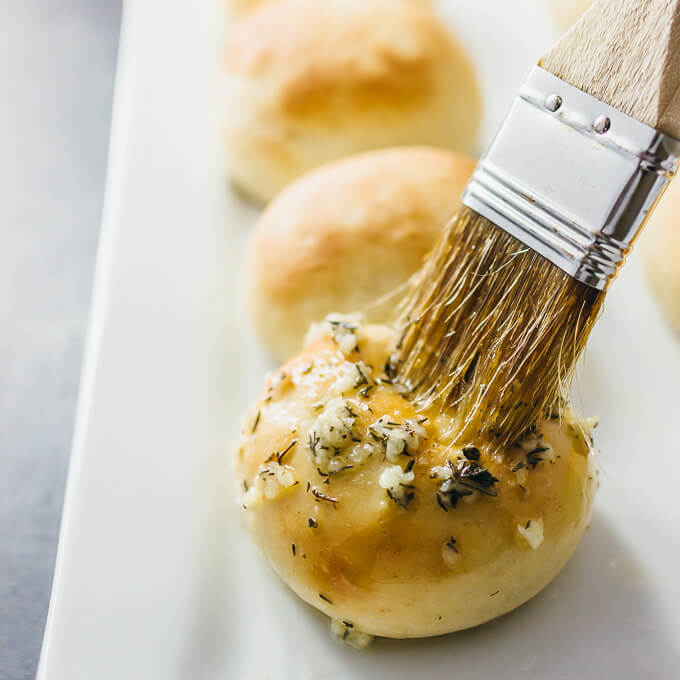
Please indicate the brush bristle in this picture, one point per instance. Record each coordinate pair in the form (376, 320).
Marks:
(491, 329)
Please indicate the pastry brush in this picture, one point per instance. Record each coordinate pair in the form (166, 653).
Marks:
(496, 319)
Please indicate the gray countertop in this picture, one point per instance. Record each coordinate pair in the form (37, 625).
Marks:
(57, 68)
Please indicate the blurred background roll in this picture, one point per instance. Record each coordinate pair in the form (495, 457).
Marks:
(237, 8)
(346, 234)
(309, 81)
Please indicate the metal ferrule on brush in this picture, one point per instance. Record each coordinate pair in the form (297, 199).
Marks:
(571, 177)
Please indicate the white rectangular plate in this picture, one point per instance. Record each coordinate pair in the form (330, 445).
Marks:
(156, 578)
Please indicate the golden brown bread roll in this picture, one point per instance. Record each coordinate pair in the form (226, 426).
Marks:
(346, 234)
(236, 8)
(309, 81)
(239, 7)
(370, 513)
(660, 245)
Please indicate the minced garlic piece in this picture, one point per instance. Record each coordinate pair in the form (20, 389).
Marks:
(450, 490)
(441, 472)
(397, 483)
(356, 456)
(346, 379)
(397, 438)
(271, 479)
(345, 631)
(532, 532)
(465, 478)
(450, 553)
(331, 431)
(342, 328)
(274, 478)
(347, 341)
(351, 376)
(334, 443)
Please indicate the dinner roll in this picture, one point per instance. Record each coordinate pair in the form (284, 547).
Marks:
(346, 234)
(660, 245)
(239, 7)
(308, 81)
(372, 512)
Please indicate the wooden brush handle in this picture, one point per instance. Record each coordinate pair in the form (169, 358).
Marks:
(626, 53)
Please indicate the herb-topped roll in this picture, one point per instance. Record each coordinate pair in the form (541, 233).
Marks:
(369, 511)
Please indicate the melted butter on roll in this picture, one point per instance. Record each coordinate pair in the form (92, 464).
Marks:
(370, 512)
